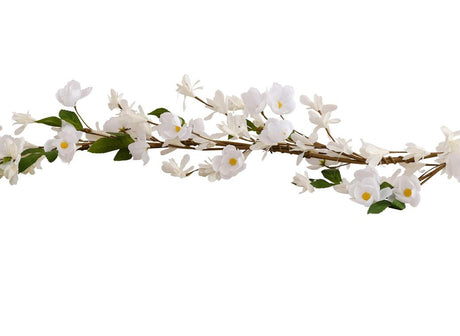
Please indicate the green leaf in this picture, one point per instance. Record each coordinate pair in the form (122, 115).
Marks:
(51, 156)
(104, 145)
(182, 121)
(50, 121)
(378, 207)
(36, 150)
(252, 127)
(71, 118)
(320, 184)
(332, 175)
(27, 161)
(398, 205)
(123, 155)
(7, 159)
(158, 112)
(386, 185)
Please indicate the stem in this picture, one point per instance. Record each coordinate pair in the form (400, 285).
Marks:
(78, 114)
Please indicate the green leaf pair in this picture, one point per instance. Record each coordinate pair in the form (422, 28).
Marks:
(333, 175)
(118, 141)
(31, 155)
(68, 116)
(380, 206)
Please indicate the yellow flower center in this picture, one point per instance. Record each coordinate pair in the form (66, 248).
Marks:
(64, 144)
(177, 128)
(407, 192)
(233, 161)
(366, 196)
(280, 104)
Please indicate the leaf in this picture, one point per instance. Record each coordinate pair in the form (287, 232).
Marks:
(158, 112)
(332, 175)
(386, 185)
(36, 150)
(378, 207)
(251, 126)
(51, 156)
(398, 205)
(50, 121)
(71, 118)
(182, 121)
(123, 155)
(27, 161)
(320, 184)
(104, 145)
(7, 159)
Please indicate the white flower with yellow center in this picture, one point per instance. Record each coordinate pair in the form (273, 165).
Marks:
(365, 188)
(276, 131)
(407, 189)
(372, 153)
(254, 101)
(71, 93)
(230, 163)
(171, 127)
(65, 142)
(139, 150)
(281, 99)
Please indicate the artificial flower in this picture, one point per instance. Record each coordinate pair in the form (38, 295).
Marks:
(281, 99)
(171, 127)
(407, 189)
(65, 142)
(187, 89)
(416, 152)
(230, 163)
(71, 93)
(340, 146)
(372, 153)
(321, 121)
(171, 167)
(365, 188)
(276, 131)
(139, 150)
(317, 104)
(22, 119)
(303, 181)
(254, 101)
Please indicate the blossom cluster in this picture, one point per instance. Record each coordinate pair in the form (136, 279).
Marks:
(244, 126)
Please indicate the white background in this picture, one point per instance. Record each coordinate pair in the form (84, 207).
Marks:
(104, 248)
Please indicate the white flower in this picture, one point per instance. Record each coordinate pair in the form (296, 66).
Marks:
(416, 152)
(276, 131)
(303, 181)
(171, 167)
(372, 153)
(321, 121)
(206, 170)
(65, 142)
(281, 99)
(316, 163)
(302, 144)
(234, 103)
(451, 153)
(71, 93)
(171, 127)
(365, 188)
(22, 119)
(10, 155)
(317, 104)
(115, 101)
(407, 189)
(139, 150)
(218, 104)
(342, 187)
(236, 126)
(230, 163)
(340, 146)
(136, 124)
(254, 101)
(187, 89)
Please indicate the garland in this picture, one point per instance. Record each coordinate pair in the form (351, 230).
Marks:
(243, 129)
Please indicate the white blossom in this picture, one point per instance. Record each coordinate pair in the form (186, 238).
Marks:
(206, 169)
(115, 101)
(372, 153)
(302, 144)
(317, 104)
(71, 93)
(230, 163)
(315, 163)
(171, 127)
(218, 104)
(65, 142)
(22, 119)
(10, 155)
(139, 150)
(340, 146)
(187, 89)
(365, 188)
(407, 189)
(236, 126)
(276, 131)
(450, 149)
(321, 121)
(281, 99)
(171, 167)
(254, 101)
(416, 152)
(303, 181)
(133, 122)
(234, 103)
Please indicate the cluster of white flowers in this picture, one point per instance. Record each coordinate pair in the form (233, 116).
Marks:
(244, 128)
